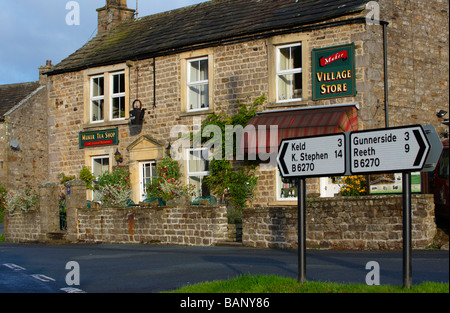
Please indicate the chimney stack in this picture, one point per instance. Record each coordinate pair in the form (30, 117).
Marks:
(112, 14)
(43, 77)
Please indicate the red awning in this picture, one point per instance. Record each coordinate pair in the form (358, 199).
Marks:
(294, 123)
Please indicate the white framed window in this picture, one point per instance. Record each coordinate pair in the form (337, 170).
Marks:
(289, 79)
(197, 170)
(197, 84)
(286, 188)
(100, 165)
(117, 101)
(106, 95)
(97, 101)
(147, 170)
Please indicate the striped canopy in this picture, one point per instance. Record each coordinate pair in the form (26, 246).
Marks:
(295, 123)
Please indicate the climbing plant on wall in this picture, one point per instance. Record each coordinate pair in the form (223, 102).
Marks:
(232, 180)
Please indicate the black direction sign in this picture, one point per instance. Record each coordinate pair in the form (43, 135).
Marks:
(312, 156)
(398, 149)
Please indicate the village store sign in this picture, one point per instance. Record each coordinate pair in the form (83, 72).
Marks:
(99, 138)
(333, 72)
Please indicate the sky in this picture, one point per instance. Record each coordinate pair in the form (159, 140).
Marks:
(33, 31)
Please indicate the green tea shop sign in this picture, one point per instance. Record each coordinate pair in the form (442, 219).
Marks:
(94, 138)
(333, 71)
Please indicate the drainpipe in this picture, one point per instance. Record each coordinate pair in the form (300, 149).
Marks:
(386, 86)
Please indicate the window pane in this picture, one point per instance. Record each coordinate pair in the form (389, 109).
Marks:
(284, 61)
(97, 86)
(198, 70)
(287, 188)
(198, 97)
(290, 58)
(154, 172)
(97, 110)
(118, 83)
(99, 166)
(289, 86)
(200, 189)
(196, 162)
(296, 54)
(203, 69)
(119, 107)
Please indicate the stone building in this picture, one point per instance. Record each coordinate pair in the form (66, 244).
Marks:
(23, 134)
(184, 64)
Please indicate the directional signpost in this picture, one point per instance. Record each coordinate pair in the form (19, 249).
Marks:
(388, 150)
(310, 157)
(400, 149)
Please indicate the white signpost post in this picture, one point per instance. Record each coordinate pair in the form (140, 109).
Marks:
(400, 149)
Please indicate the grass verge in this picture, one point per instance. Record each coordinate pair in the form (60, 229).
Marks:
(277, 284)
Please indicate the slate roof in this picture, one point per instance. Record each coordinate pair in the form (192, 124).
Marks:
(207, 22)
(12, 95)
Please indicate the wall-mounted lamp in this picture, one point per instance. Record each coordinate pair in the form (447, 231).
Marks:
(441, 113)
(169, 150)
(118, 157)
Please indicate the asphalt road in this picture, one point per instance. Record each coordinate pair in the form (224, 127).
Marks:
(150, 269)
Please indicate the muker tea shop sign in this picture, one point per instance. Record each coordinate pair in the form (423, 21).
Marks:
(333, 72)
(104, 137)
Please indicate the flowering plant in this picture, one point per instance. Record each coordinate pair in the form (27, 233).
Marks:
(115, 195)
(171, 188)
(115, 187)
(355, 185)
(20, 201)
(166, 184)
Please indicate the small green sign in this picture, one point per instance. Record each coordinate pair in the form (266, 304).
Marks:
(94, 138)
(333, 72)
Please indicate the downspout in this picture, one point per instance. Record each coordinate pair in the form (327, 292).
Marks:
(154, 82)
(386, 86)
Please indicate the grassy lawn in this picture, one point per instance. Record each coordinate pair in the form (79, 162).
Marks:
(277, 284)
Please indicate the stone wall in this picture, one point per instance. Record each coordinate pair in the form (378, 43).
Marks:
(191, 226)
(26, 167)
(23, 226)
(365, 223)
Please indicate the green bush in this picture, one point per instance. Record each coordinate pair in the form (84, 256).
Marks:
(115, 187)
(87, 176)
(166, 185)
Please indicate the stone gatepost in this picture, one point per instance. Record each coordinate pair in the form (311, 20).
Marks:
(49, 207)
(75, 199)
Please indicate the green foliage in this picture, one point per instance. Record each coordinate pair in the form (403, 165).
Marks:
(115, 187)
(166, 185)
(276, 284)
(21, 200)
(351, 186)
(236, 185)
(63, 178)
(118, 177)
(87, 176)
